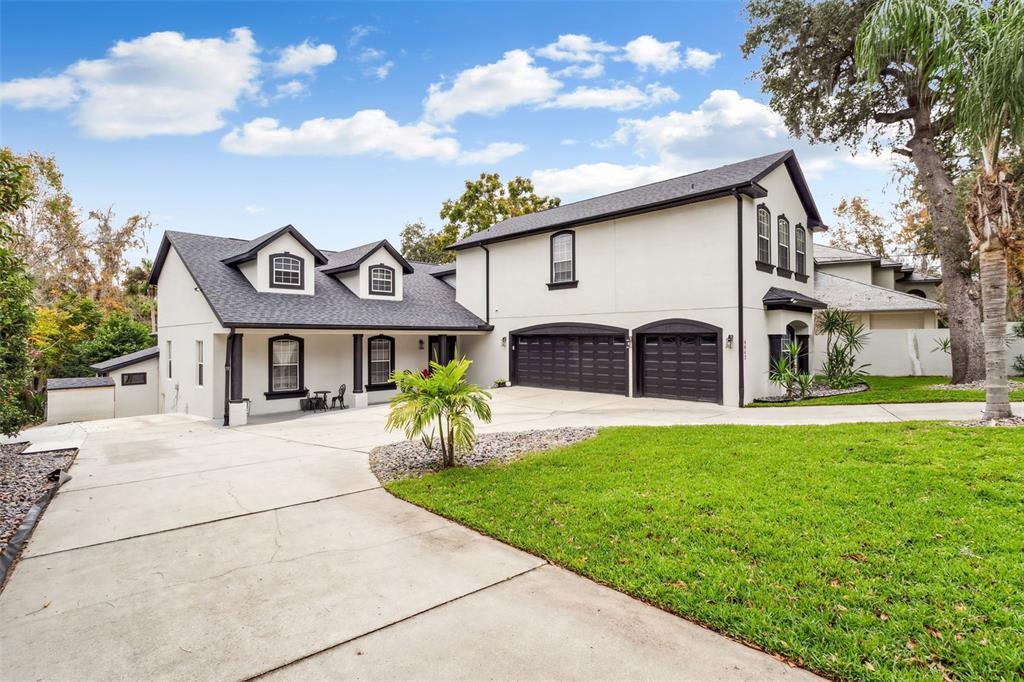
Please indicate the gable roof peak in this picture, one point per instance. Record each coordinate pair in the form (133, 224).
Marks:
(248, 250)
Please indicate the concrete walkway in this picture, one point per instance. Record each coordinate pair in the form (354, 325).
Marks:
(181, 549)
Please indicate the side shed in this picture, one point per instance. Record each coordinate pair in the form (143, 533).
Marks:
(79, 399)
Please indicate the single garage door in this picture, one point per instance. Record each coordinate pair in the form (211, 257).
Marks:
(592, 359)
(684, 365)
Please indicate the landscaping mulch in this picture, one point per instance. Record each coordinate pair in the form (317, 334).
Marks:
(409, 459)
(817, 392)
(978, 385)
(23, 479)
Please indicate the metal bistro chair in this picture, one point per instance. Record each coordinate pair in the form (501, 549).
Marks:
(340, 398)
(305, 402)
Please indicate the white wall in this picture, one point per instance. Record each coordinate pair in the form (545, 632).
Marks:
(259, 275)
(884, 277)
(859, 272)
(79, 404)
(183, 317)
(929, 289)
(131, 401)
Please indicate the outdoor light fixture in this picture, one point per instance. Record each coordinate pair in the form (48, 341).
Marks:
(728, 341)
(421, 344)
(504, 340)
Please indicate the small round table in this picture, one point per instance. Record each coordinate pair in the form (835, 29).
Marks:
(321, 399)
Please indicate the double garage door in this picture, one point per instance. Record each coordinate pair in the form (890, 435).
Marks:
(673, 360)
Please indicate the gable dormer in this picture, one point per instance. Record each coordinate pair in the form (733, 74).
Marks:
(375, 271)
(280, 262)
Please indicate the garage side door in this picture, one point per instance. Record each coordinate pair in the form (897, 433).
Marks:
(576, 363)
(680, 366)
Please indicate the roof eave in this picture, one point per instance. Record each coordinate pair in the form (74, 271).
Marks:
(318, 257)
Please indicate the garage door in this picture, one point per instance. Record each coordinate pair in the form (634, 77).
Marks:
(683, 366)
(594, 362)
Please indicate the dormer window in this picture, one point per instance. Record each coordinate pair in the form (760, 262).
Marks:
(563, 260)
(382, 280)
(286, 271)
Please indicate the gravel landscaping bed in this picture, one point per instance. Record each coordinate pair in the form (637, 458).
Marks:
(410, 458)
(818, 392)
(978, 385)
(23, 478)
(1009, 421)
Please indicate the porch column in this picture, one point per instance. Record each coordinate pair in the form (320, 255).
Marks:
(236, 367)
(443, 353)
(359, 398)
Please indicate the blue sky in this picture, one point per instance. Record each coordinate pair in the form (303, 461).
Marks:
(347, 120)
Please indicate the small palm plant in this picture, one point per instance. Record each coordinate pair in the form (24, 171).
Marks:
(443, 401)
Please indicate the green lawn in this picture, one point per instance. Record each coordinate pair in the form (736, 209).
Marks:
(898, 390)
(866, 551)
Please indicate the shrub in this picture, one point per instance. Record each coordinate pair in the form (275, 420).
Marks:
(843, 340)
(1018, 366)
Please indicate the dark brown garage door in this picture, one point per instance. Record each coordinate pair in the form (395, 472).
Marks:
(680, 366)
(574, 362)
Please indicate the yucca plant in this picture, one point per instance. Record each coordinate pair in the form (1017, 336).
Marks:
(784, 370)
(843, 341)
(441, 402)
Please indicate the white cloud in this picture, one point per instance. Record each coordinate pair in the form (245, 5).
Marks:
(304, 58)
(616, 99)
(591, 179)
(568, 142)
(255, 210)
(492, 153)
(647, 52)
(580, 71)
(573, 47)
(290, 90)
(371, 54)
(491, 88)
(381, 71)
(358, 33)
(54, 92)
(159, 84)
(700, 60)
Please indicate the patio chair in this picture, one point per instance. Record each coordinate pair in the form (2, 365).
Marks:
(306, 403)
(340, 398)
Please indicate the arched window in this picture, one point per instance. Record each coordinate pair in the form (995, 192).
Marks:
(783, 263)
(382, 360)
(286, 366)
(563, 257)
(764, 234)
(286, 271)
(801, 250)
(382, 280)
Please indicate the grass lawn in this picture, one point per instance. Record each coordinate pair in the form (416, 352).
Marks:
(862, 551)
(898, 390)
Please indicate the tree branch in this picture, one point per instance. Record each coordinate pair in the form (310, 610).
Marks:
(903, 152)
(894, 116)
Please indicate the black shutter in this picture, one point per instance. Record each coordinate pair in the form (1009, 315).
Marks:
(804, 361)
(775, 345)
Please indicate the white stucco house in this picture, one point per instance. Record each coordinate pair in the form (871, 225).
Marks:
(678, 289)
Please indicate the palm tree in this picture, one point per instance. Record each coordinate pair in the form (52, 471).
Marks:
(442, 397)
(974, 52)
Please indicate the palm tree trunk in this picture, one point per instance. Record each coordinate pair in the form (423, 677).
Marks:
(993, 293)
(444, 448)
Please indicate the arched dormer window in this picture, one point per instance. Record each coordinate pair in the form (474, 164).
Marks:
(764, 235)
(783, 263)
(382, 280)
(287, 271)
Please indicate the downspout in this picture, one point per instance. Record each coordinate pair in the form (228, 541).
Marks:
(487, 283)
(739, 292)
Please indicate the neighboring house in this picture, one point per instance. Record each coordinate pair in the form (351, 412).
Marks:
(123, 387)
(882, 293)
(673, 289)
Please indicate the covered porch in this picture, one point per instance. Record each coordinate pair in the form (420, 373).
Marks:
(271, 371)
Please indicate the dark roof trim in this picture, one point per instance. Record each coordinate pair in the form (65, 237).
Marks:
(254, 248)
(677, 326)
(443, 273)
(349, 267)
(802, 189)
(786, 299)
(369, 327)
(751, 189)
(126, 360)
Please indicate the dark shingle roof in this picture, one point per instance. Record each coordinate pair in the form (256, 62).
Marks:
(78, 382)
(692, 187)
(126, 360)
(350, 259)
(243, 251)
(787, 298)
(427, 302)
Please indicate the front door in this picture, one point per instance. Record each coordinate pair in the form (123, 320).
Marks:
(437, 353)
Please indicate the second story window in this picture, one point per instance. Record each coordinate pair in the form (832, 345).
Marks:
(563, 258)
(783, 243)
(764, 234)
(286, 271)
(801, 250)
(382, 280)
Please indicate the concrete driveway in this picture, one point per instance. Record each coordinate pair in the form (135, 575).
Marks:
(183, 550)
